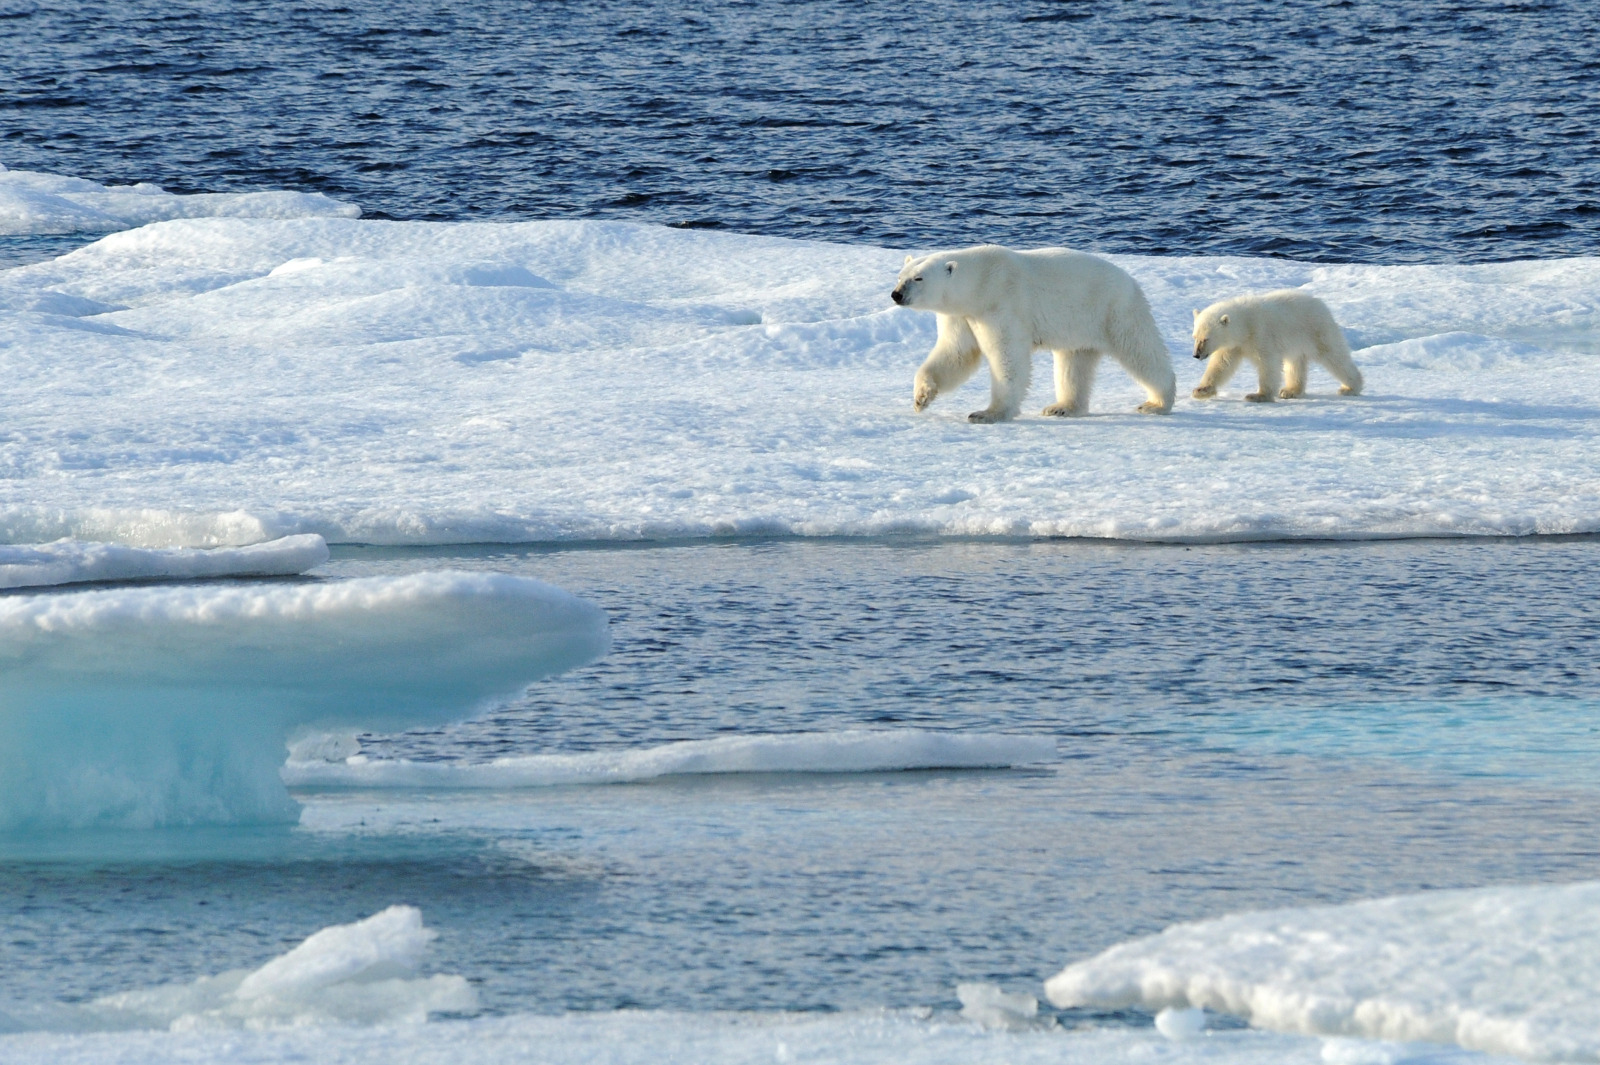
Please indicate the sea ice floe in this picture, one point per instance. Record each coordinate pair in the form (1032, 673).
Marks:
(142, 706)
(221, 381)
(1509, 971)
(363, 973)
(850, 751)
(74, 561)
(31, 202)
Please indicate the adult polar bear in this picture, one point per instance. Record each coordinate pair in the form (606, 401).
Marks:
(1005, 304)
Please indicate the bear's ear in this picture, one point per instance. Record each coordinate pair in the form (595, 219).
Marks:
(908, 260)
(950, 267)
(1223, 319)
(1196, 311)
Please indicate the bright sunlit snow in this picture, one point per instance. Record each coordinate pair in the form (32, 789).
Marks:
(74, 562)
(1501, 970)
(31, 202)
(223, 381)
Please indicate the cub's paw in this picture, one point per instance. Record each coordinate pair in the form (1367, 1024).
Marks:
(1150, 406)
(1204, 392)
(1346, 390)
(1289, 393)
(986, 417)
(1062, 410)
(1258, 397)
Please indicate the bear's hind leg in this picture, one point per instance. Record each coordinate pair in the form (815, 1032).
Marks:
(1074, 380)
(1334, 355)
(1219, 367)
(1294, 377)
(1269, 370)
(954, 357)
(1010, 365)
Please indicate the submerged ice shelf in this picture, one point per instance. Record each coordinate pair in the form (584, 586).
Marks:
(137, 707)
(850, 751)
(395, 382)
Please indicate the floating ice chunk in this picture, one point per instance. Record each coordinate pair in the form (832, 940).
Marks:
(1512, 971)
(32, 202)
(361, 973)
(823, 752)
(1178, 1024)
(74, 561)
(993, 1007)
(148, 706)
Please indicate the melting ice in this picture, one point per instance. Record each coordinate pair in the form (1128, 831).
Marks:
(172, 705)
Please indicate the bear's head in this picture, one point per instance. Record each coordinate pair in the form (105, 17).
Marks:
(1212, 332)
(926, 284)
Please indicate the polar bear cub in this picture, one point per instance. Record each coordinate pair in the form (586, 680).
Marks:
(1003, 305)
(1278, 331)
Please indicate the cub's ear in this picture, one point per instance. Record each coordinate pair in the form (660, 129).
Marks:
(908, 260)
(1223, 319)
(950, 267)
(1196, 311)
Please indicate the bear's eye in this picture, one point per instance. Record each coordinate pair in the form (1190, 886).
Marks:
(917, 278)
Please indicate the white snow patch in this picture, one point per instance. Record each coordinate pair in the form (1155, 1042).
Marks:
(823, 752)
(135, 707)
(355, 974)
(32, 202)
(1508, 971)
(74, 561)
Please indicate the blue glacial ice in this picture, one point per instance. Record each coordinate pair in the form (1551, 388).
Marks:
(138, 707)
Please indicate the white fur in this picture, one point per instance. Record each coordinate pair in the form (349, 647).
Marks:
(1278, 331)
(1004, 305)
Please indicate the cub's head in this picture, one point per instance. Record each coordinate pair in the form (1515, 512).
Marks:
(926, 284)
(1212, 331)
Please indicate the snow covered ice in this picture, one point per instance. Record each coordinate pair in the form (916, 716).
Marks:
(854, 751)
(31, 202)
(1508, 971)
(76, 562)
(135, 707)
(360, 973)
(223, 381)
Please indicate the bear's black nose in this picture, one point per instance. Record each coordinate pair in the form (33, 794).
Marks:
(898, 295)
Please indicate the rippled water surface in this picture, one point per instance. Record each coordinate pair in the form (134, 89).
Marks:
(1358, 130)
(1238, 727)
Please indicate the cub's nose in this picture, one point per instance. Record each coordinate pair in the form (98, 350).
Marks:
(1199, 351)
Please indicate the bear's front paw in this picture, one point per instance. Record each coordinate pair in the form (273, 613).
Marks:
(987, 417)
(1062, 410)
(922, 397)
(1150, 406)
(1204, 392)
(1258, 397)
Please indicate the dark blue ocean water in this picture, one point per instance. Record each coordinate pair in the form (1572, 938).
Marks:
(1355, 130)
